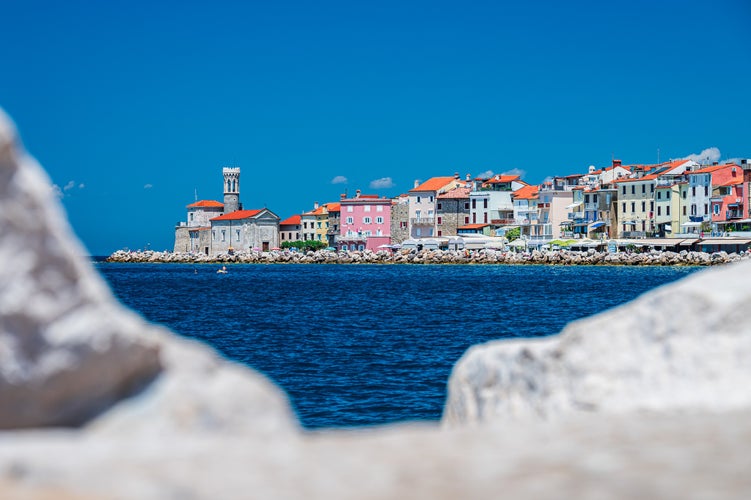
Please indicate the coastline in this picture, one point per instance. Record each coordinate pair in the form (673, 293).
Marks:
(549, 257)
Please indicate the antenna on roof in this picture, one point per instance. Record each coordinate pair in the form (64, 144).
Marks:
(658, 156)
(195, 194)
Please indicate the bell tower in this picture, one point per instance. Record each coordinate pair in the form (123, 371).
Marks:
(231, 189)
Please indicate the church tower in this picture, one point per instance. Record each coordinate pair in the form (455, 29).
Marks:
(231, 189)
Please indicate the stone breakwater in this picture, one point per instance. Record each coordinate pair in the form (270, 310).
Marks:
(564, 258)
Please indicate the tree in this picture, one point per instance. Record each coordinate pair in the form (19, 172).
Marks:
(309, 245)
(513, 234)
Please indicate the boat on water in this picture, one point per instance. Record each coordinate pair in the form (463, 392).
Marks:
(223, 270)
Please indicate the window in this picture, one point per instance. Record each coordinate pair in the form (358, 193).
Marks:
(485, 203)
(624, 207)
(474, 204)
(237, 235)
(693, 191)
(586, 198)
(659, 195)
(282, 235)
(319, 237)
(319, 225)
(693, 209)
(706, 209)
(643, 225)
(440, 206)
(224, 235)
(667, 210)
(667, 195)
(633, 189)
(379, 208)
(431, 199)
(594, 198)
(643, 206)
(350, 220)
(379, 220)
(633, 206)
(684, 209)
(474, 218)
(684, 195)
(419, 199)
(191, 217)
(643, 188)
(651, 206)
(440, 232)
(366, 208)
(706, 190)
(366, 220)
(440, 220)
(624, 192)
(466, 205)
(349, 208)
(659, 210)
(716, 208)
(213, 235)
(651, 188)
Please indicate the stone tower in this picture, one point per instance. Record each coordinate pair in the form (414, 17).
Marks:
(231, 189)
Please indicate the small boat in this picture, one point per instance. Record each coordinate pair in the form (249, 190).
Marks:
(223, 270)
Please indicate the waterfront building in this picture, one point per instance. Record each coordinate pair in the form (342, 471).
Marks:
(525, 209)
(290, 229)
(245, 230)
(554, 197)
(213, 227)
(365, 222)
(423, 204)
(400, 219)
(319, 222)
(591, 214)
(491, 200)
(636, 206)
(452, 211)
(333, 223)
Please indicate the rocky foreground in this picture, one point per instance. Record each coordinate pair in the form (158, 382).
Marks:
(555, 257)
(649, 400)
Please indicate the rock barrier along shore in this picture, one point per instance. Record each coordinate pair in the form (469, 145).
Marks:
(552, 257)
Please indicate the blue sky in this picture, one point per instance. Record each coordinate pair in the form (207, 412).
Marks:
(131, 106)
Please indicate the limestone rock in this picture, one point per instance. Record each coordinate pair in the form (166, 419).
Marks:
(69, 351)
(684, 346)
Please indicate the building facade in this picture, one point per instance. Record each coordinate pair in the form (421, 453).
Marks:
(365, 222)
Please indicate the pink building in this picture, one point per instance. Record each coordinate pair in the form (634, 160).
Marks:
(729, 185)
(365, 222)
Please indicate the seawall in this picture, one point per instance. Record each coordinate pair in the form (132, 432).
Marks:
(563, 258)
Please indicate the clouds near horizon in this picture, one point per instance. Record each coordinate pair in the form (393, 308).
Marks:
(382, 183)
(339, 179)
(708, 155)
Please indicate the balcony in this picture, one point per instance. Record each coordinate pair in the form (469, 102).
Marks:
(733, 214)
(591, 206)
(502, 222)
(423, 221)
(355, 238)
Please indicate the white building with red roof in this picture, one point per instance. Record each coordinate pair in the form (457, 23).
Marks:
(213, 227)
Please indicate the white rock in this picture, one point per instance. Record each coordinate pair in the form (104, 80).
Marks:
(69, 351)
(684, 346)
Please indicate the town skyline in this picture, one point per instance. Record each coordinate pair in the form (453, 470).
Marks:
(131, 111)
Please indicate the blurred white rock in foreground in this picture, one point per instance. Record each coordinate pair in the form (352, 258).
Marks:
(683, 346)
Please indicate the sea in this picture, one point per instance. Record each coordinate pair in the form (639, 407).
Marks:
(364, 345)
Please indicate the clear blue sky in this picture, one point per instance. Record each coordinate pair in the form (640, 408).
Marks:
(130, 106)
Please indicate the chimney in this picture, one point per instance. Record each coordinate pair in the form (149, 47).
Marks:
(715, 163)
(456, 175)
(315, 205)
(616, 163)
(417, 182)
(342, 196)
(357, 193)
(469, 177)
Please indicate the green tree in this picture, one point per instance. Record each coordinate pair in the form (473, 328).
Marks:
(309, 245)
(513, 234)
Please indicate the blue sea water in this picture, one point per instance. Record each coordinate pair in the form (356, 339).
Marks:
(357, 345)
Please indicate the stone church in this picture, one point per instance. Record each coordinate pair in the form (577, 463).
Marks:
(213, 228)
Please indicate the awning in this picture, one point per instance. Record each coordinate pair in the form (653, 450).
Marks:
(691, 224)
(688, 243)
(725, 241)
(629, 223)
(668, 227)
(597, 224)
(575, 204)
(567, 223)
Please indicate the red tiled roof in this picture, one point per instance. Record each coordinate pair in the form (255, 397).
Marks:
(191, 229)
(433, 184)
(333, 207)
(502, 178)
(526, 193)
(473, 226)
(456, 193)
(238, 215)
(206, 204)
(713, 168)
(649, 177)
(291, 221)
